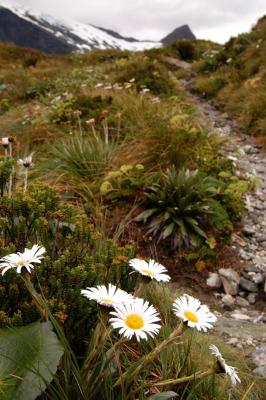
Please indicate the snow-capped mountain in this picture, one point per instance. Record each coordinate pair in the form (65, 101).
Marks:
(28, 28)
(31, 29)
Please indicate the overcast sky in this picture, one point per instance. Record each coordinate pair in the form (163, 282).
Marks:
(153, 19)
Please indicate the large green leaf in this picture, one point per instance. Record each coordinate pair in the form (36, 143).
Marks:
(29, 357)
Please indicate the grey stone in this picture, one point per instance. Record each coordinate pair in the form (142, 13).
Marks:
(240, 328)
(242, 302)
(260, 371)
(248, 231)
(230, 280)
(230, 287)
(250, 149)
(252, 298)
(214, 281)
(258, 356)
(229, 273)
(228, 300)
(252, 268)
(233, 341)
(241, 317)
(261, 238)
(245, 256)
(248, 285)
(260, 206)
(258, 278)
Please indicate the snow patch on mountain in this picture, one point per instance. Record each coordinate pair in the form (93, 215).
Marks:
(81, 36)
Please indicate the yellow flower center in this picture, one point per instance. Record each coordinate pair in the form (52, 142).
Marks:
(107, 301)
(191, 316)
(20, 263)
(147, 272)
(134, 321)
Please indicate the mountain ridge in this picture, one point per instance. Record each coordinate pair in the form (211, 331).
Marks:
(27, 28)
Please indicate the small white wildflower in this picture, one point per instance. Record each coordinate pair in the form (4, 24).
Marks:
(151, 269)
(20, 260)
(230, 371)
(108, 297)
(194, 313)
(137, 318)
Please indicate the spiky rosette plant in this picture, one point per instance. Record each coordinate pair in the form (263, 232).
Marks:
(182, 206)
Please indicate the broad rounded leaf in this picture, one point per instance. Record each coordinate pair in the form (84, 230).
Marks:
(29, 357)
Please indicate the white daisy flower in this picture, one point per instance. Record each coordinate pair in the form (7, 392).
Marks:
(108, 297)
(26, 162)
(152, 269)
(137, 318)
(230, 371)
(194, 313)
(25, 259)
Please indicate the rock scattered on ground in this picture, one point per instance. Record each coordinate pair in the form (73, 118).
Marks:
(241, 324)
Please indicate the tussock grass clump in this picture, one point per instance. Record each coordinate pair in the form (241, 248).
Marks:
(81, 156)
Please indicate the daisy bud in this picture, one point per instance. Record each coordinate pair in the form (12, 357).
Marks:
(118, 115)
(91, 122)
(104, 113)
(77, 113)
(5, 142)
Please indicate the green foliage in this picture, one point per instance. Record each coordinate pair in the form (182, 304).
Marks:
(5, 105)
(80, 156)
(209, 87)
(182, 206)
(39, 216)
(124, 183)
(108, 55)
(236, 72)
(30, 61)
(185, 49)
(28, 366)
(6, 168)
(234, 197)
(98, 261)
(63, 110)
(38, 88)
(147, 74)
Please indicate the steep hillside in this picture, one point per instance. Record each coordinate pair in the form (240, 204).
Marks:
(236, 77)
(42, 32)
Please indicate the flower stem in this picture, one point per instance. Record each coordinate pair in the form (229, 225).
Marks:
(147, 359)
(118, 129)
(105, 130)
(94, 133)
(40, 304)
(26, 180)
(80, 127)
(197, 375)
